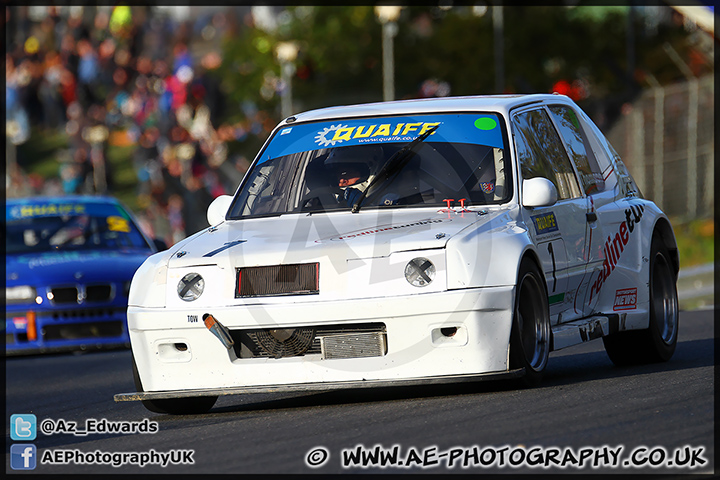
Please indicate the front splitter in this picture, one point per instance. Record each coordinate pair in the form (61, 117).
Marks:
(317, 387)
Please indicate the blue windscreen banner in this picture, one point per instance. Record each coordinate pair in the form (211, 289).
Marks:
(480, 129)
(54, 208)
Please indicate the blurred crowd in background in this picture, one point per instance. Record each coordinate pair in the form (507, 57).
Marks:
(124, 79)
(167, 100)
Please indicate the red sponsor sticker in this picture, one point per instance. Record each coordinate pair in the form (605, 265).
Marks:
(625, 299)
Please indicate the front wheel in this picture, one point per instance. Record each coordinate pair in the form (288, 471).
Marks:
(174, 406)
(530, 335)
(657, 342)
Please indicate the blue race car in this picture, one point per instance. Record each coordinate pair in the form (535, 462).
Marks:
(69, 261)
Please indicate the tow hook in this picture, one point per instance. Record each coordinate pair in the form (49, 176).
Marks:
(219, 330)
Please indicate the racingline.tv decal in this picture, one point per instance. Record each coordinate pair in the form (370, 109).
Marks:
(384, 228)
(615, 246)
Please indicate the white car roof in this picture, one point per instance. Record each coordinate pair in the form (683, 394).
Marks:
(493, 103)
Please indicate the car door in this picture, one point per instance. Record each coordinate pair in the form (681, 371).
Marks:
(560, 230)
(617, 222)
(599, 204)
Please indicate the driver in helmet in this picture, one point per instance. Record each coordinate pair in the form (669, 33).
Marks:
(351, 167)
(349, 179)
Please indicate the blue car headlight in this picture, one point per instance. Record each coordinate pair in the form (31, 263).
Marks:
(20, 294)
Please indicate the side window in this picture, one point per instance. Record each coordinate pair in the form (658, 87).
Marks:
(615, 172)
(579, 149)
(541, 153)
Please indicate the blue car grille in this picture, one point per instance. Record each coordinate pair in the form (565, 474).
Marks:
(83, 293)
(65, 295)
(98, 293)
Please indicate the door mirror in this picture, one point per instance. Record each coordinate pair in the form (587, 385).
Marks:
(218, 209)
(538, 192)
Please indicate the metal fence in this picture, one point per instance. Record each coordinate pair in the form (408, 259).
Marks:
(666, 138)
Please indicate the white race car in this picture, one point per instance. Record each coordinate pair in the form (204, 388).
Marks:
(420, 241)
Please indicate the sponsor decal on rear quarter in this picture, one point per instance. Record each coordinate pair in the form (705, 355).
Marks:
(625, 299)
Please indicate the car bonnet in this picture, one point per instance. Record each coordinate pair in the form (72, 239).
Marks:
(72, 266)
(290, 239)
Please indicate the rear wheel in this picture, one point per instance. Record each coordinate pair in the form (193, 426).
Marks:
(530, 335)
(657, 342)
(174, 406)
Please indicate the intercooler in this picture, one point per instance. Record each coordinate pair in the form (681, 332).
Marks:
(329, 342)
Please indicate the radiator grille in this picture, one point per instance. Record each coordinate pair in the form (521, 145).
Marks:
(334, 341)
(298, 279)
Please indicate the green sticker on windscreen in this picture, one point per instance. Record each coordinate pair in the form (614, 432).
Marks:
(485, 123)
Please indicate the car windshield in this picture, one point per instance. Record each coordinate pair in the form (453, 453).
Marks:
(47, 227)
(327, 166)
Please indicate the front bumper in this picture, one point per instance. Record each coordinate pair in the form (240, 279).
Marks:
(49, 331)
(175, 353)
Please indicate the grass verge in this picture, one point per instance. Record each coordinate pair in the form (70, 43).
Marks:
(696, 241)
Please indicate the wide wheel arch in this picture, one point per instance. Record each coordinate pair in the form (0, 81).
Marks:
(529, 263)
(531, 255)
(657, 342)
(664, 231)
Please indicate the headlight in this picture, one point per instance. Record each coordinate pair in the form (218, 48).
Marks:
(191, 287)
(419, 272)
(20, 294)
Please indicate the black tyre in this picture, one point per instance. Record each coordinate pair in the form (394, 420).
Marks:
(174, 406)
(657, 342)
(530, 335)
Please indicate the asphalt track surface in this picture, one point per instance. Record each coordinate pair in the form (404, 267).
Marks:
(586, 406)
